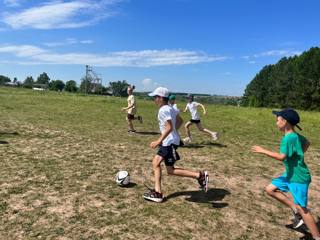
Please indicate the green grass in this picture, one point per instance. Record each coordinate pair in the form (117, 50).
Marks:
(60, 152)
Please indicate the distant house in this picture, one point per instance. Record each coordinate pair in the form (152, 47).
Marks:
(40, 87)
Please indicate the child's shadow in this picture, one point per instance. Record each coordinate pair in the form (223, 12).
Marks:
(304, 230)
(212, 196)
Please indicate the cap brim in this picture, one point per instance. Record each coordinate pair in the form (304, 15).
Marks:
(277, 113)
(299, 127)
(152, 94)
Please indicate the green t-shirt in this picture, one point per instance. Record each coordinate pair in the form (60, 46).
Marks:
(296, 169)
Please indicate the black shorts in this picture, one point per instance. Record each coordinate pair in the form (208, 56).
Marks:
(195, 121)
(169, 154)
(130, 116)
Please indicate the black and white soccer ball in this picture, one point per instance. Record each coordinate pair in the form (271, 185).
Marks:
(123, 178)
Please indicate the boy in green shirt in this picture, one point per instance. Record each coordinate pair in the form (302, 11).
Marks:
(296, 178)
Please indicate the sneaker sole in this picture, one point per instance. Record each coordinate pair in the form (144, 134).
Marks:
(301, 222)
(158, 200)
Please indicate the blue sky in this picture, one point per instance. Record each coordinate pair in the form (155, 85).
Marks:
(195, 46)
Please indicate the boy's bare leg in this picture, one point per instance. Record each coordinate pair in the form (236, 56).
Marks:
(281, 197)
(188, 124)
(157, 172)
(309, 221)
(182, 172)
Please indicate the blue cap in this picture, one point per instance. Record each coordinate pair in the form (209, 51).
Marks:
(290, 115)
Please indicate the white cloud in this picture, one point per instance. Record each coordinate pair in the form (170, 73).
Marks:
(278, 53)
(148, 84)
(68, 41)
(144, 58)
(61, 14)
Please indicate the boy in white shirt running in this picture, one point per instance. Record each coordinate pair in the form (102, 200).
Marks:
(131, 109)
(195, 119)
(168, 143)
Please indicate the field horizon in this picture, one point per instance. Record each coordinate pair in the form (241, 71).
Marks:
(60, 153)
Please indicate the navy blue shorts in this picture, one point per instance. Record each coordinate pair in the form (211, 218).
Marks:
(130, 116)
(195, 121)
(169, 154)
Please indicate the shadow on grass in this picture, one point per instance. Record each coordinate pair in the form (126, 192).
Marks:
(130, 185)
(212, 196)
(4, 142)
(203, 144)
(9, 133)
(304, 230)
(148, 133)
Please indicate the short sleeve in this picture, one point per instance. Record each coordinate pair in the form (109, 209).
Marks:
(165, 115)
(287, 146)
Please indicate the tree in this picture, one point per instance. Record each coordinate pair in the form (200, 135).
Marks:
(119, 88)
(292, 82)
(43, 79)
(71, 86)
(4, 80)
(56, 85)
(85, 85)
(28, 82)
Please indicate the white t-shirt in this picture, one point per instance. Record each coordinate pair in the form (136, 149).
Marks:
(192, 107)
(175, 107)
(131, 101)
(166, 113)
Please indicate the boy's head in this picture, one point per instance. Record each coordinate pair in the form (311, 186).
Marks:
(130, 89)
(285, 117)
(161, 96)
(172, 99)
(190, 97)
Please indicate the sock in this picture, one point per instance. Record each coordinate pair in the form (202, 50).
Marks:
(294, 210)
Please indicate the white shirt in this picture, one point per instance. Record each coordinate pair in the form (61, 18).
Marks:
(166, 113)
(175, 107)
(131, 102)
(192, 107)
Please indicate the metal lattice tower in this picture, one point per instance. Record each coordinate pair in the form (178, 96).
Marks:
(94, 80)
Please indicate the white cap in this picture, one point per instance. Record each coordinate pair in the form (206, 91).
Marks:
(160, 91)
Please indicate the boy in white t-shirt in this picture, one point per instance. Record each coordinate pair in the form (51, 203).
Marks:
(131, 109)
(195, 119)
(168, 143)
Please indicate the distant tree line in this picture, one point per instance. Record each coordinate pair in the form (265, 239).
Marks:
(292, 82)
(43, 81)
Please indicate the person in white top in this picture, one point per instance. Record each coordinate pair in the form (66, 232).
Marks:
(195, 119)
(168, 142)
(172, 103)
(131, 109)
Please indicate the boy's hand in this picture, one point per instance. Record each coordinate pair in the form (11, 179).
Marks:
(155, 144)
(123, 109)
(257, 149)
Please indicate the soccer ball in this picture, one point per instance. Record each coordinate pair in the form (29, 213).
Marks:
(123, 178)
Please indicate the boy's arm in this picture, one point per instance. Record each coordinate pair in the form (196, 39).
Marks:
(168, 129)
(203, 108)
(179, 121)
(186, 108)
(275, 155)
(127, 108)
(306, 146)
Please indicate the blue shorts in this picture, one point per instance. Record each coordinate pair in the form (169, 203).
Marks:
(299, 191)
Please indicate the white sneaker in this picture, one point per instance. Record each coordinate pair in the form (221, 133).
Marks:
(187, 140)
(215, 136)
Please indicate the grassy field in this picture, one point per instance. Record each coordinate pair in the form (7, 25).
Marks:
(59, 155)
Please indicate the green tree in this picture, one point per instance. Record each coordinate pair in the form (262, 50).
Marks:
(43, 79)
(56, 85)
(119, 88)
(4, 80)
(71, 86)
(28, 82)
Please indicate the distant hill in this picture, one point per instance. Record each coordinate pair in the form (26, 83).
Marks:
(293, 81)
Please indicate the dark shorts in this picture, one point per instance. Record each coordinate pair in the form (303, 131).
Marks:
(169, 154)
(130, 116)
(195, 121)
